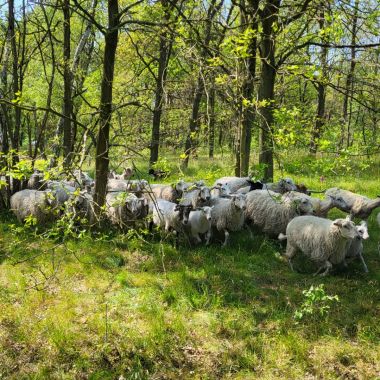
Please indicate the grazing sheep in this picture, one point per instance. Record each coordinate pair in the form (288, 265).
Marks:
(198, 197)
(200, 223)
(135, 186)
(357, 205)
(170, 216)
(123, 209)
(41, 205)
(356, 247)
(269, 212)
(62, 190)
(321, 207)
(322, 240)
(228, 214)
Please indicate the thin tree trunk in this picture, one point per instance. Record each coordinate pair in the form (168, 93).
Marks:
(266, 89)
(102, 147)
(163, 61)
(211, 121)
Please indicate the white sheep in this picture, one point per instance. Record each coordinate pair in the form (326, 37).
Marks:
(220, 190)
(322, 240)
(355, 249)
(41, 205)
(234, 183)
(170, 193)
(123, 209)
(228, 214)
(197, 197)
(170, 216)
(200, 223)
(62, 190)
(135, 186)
(321, 207)
(357, 205)
(81, 205)
(270, 213)
(282, 186)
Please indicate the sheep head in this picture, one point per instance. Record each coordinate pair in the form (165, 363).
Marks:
(346, 228)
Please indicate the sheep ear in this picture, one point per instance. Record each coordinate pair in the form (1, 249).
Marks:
(338, 223)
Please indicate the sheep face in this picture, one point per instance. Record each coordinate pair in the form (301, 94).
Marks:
(180, 186)
(347, 228)
(207, 211)
(287, 184)
(222, 189)
(304, 206)
(239, 201)
(339, 203)
(184, 212)
(204, 193)
(363, 230)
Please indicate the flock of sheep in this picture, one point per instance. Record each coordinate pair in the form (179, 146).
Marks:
(281, 210)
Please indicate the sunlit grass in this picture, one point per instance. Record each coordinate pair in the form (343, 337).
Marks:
(104, 308)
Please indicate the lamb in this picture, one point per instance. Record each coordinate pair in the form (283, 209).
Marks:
(322, 240)
(321, 207)
(123, 208)
(170, 216)
(41, 205)
(200, 223)
(356, 247)
(228, 214)
(200, 196)
(268, 211)
(357, 205)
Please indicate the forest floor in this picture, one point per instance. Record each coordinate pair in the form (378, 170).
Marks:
(128, 306)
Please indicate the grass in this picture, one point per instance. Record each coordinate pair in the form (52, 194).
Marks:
(111, 305)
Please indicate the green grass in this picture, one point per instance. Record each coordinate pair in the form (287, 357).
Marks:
(100, 308)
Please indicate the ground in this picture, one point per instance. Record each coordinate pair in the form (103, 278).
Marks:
(121, 305)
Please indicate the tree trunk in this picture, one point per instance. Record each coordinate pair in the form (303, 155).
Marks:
(105, 109)
(266, 89)
(67, 80)
(248, 115)
(164, 55)
(211, 121)
(350, 77)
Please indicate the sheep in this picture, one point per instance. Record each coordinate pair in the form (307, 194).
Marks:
(357, 205)
(197, 197)
(169, 193)
(266, 210)
(322, 240)
(123, 208)
(81, 205)
(170, 216)
(321, 207)
(62, 190)
(136, 186)
(127, 173)
(234, 183)
(82, 178)
(355, 249)
(228, 214)
(200, 223)
(36, 181)
(34, 203)
(220, 190)
(282, 186)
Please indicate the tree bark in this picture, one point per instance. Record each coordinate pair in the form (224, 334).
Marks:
(266, 89)
(105, 109)
(211, 121)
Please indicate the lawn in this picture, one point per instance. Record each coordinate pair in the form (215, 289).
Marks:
(118, 305)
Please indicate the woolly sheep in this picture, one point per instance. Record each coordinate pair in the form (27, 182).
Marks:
(282, 186)
(136, 186)
(170, 216)
(269, 212)
(36, 181)
(39, 204)
(200, 223)
(81, 205)
(321, 207)
(228, 214)
(200, 196)
(82, 178)
(357, 205)
(169, 193)
(124, 209)
(322, 240)
(220, 190)
(62, 190)
(234, 183)
(355, 249)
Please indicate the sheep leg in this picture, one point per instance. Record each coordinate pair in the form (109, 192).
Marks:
(326, 265)
(226, 235)
(363, 262)
(249, 229)
(197, 238)
(208, 237)
(289, 254)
